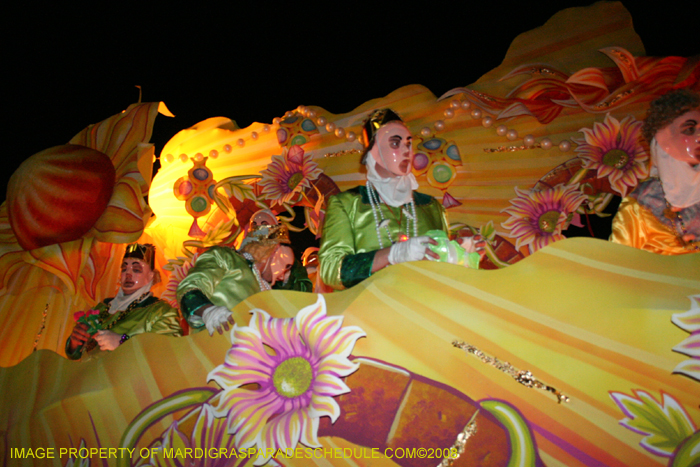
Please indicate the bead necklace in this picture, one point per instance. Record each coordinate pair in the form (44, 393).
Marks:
(375, 203)
(264, 285)
(679, 226)
(104, 314)
(122, 314)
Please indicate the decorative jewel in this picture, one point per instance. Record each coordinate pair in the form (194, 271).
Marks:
(457, 448)
(124, 338)
(197, 190)
(295, 129)
(525, 378)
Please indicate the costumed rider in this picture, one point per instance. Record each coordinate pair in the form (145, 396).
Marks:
(662, 214)
(295, 276)
(384, 222)
(133, 311)
(222, 277)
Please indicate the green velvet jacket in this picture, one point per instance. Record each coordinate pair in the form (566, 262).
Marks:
(223, 277)
(349, 241)
(150, 315)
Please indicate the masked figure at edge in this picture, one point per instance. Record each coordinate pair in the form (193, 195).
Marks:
(384, 222)
(222, 277)
(133, 311)
(662, 214)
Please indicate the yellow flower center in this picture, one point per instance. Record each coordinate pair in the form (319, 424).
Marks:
(616, 158)
(292, 377)
(294, 180)
(548, 221)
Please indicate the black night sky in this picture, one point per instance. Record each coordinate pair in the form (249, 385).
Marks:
(65, 69)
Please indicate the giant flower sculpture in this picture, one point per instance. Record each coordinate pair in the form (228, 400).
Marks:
(537, 218)
(295, 381)
(287, 175)
(613, 149)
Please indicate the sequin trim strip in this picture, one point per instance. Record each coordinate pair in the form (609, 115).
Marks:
(523, 377)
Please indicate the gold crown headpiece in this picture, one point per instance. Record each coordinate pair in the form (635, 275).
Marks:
(275, 233)
(145, 252)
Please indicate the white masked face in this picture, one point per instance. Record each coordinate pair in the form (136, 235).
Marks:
(681, 139)
(279, 265)
(135, 274)
(263, 217)
(392, 150)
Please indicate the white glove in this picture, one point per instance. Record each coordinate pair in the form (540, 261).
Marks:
(412, 249)
(214, 317)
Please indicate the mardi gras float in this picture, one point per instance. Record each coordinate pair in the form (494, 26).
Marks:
(556, 352)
